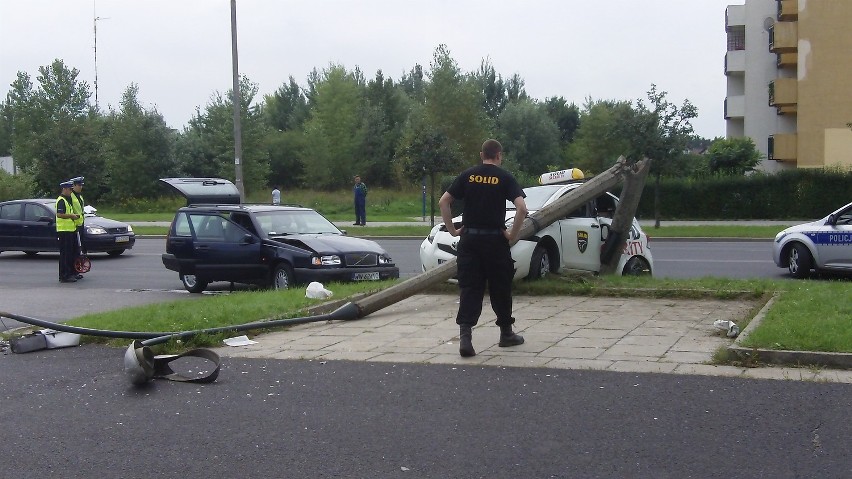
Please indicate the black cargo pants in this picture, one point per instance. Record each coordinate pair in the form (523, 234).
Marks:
(484, 258)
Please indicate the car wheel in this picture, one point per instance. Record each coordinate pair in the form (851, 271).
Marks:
(192, 283)
(30, 253)
(282, 277)
(799, 261)
(539, 263)
(636, 266)
(116, 252)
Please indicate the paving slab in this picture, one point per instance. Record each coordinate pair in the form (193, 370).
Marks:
(670, 336)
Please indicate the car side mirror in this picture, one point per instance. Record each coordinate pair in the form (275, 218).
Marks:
(604, 231)
(249, 238)
(832, 219)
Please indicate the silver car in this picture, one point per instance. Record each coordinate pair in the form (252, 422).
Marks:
(822, 245)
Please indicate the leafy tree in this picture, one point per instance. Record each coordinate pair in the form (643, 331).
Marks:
(384, 113)
(287, 108)
(140, 149)
(414, 85)
(494, 97)
(429, 152)
(55, 132)
(597, 142)
(733, 156)
(566, 117)
(206, 147)
(6, 119)
(660, 131)
(529, 137)
(334, 133)
(453, 106)
(515, 88)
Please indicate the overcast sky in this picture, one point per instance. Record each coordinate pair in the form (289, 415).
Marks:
(179, 51)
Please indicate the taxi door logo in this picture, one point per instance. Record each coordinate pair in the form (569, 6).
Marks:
(582, 240)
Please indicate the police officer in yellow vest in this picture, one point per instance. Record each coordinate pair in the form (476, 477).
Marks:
(66, 230)
(78, 203)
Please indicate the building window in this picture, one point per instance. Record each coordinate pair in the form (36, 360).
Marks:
(736, 38)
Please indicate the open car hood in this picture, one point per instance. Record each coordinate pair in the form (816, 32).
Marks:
(198, 191)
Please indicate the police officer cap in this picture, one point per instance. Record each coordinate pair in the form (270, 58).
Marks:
(66, 184)
(77, 181)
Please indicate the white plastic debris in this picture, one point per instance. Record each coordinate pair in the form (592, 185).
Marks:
(317, 291)
(239, 341)
(731, 329)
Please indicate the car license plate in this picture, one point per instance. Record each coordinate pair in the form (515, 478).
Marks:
(122, 239)
(374, 276)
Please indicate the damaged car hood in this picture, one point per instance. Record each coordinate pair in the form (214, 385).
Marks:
(328, 243)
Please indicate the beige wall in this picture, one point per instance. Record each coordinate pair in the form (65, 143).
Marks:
(825, 83)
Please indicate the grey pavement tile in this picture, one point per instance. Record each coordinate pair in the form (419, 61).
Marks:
(572, 352)
(402, 357)
(517, 361)
(709, 370)
(573, 342)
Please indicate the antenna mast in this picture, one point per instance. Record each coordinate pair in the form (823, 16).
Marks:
(95, 22)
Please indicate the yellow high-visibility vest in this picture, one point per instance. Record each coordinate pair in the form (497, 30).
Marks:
(65, 224)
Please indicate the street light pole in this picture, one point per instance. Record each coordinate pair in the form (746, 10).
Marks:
(238, 141)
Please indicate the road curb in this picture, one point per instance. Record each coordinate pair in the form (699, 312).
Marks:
(784, 357)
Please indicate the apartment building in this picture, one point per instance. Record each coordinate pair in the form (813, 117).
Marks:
(789, 80)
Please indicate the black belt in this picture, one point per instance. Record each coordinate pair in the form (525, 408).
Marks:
(482, 231)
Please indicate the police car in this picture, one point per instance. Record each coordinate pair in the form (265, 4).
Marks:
(572, 243)
(822, 245)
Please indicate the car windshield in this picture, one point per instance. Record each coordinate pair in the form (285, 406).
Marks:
(289, 222)
(537, 197)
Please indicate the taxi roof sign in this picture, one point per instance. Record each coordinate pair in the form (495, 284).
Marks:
(561, 176)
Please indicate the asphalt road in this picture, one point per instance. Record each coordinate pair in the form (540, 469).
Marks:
(71, 413)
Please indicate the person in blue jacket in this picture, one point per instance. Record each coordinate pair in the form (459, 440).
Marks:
(360, 190)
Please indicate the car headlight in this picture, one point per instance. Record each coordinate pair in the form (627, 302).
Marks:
(95, 230)
(332, 260)
(129, 229)
(432, 233)
(385, 259)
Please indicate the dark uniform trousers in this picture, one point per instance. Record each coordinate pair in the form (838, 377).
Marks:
(67, 253)
(484, 259)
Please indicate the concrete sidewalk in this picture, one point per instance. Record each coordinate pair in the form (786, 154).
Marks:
(614, 334)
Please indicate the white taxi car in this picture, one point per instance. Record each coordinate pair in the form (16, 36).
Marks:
(572, 243)
(823, 245)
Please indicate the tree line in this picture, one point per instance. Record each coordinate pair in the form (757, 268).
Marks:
(427, 124)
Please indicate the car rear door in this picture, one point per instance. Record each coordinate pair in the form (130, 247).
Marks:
(10, 225)
(222, 250)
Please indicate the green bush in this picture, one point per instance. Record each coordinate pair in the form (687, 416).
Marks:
(19, 186)
(791, 194)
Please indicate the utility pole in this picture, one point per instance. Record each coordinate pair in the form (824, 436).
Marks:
(238, 141)
(95, 21)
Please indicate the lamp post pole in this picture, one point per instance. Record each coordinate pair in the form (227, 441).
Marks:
(238, 141)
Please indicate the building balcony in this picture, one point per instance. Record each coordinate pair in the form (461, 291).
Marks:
(784, 95)
(784, 37)
(735, 62)
(787, 60)
(782, 147)
(734, 107)
(735, 16)
(788, 10)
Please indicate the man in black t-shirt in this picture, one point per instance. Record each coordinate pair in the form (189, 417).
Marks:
(483, 250)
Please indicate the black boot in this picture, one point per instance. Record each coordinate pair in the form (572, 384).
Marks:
(466, 342)
(509, 338)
